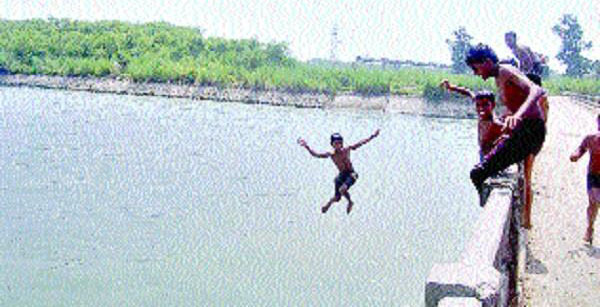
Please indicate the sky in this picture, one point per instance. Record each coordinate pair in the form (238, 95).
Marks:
(400, 29)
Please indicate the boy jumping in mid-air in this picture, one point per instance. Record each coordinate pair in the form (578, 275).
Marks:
(591, 144)
(527, 108)
(489, 129)
(341, 158)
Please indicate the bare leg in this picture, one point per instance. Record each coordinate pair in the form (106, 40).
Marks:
(329, 203)
(527, 191)
(592, 212)
(344, 191)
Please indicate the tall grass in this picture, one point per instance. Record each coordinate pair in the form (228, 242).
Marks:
(162, 52)
(563, 84)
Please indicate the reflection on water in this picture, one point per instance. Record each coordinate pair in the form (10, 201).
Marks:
(121, 200)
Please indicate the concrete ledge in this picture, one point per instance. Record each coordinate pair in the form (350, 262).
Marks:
(461, 280)
(485, 246)
(484, 269)
(459, 302)
(521, 267)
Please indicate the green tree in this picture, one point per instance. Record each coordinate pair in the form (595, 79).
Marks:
(596, 68)
(571, 34)
(458, 48)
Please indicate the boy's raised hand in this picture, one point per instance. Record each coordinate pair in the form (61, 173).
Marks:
(302, 142)
(376, 133)
(445, 84)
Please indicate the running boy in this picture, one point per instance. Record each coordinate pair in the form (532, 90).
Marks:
(526, 104)
(489, 129)
(591, 144)
(341, 158)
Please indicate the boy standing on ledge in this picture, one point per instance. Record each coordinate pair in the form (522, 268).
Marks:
(591, 144)
(529, 62)
(341, 158)
(525, 123)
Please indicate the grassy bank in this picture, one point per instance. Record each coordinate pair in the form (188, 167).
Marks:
(161, 52)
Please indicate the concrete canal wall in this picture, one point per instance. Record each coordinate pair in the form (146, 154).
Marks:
(485, 274)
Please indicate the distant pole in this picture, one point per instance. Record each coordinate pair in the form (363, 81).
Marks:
(335, 41)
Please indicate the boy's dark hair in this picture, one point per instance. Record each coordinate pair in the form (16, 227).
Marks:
(336, 137)
(479, 54)
(485, 95)
(511, 34)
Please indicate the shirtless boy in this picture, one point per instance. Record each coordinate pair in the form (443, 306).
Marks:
(529, 62)
(526, 104)
(591, 144)
(341, 158)
(489, 129)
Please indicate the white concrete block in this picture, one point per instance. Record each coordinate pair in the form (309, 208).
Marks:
(460, 280)
(459, 302)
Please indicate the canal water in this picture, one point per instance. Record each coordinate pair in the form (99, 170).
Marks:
(123, 200)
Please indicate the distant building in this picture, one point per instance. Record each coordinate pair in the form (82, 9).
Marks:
(383, 63)
(328, 62)
(397, 64)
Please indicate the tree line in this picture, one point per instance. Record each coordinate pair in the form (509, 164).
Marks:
(572, 45)
(161, 52)
(154, 51)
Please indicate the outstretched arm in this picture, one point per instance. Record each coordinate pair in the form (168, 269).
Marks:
(315, 154)
(457, 89)
(580, 151)
(365, 141)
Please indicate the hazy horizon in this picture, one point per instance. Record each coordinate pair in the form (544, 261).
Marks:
(396, 30)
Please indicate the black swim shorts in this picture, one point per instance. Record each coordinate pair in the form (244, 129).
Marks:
(348, 178)
(593, 181)
(527, 138)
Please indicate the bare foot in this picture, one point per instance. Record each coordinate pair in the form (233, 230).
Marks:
(484, 192)
(589, 235)
(349, 208)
